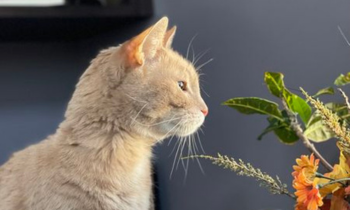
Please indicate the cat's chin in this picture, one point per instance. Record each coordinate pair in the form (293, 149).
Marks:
(189, 128)
(180, 132)
(166, 130)
(186, 132)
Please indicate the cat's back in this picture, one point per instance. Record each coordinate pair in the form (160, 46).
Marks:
(20, 173)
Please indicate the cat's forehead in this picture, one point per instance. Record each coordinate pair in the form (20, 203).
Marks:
(180, 64)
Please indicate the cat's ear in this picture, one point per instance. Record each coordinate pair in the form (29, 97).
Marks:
(169, 37)
(145, 45)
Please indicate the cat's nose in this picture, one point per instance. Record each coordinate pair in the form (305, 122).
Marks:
(205, 112)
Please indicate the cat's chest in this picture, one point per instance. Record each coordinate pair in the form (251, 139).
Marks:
(131, 202)
(135, 192)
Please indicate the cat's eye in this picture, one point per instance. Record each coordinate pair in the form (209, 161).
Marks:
(182, 85)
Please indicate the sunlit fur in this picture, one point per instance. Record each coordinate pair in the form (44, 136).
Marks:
(100, 156)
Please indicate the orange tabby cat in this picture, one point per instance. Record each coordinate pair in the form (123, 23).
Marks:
(131, 97)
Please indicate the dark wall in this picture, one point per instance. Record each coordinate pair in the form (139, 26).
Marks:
(246, 38)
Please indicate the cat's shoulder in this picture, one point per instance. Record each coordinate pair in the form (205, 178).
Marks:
(26, 156)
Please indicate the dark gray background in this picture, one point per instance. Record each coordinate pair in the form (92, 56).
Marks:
(246, 37)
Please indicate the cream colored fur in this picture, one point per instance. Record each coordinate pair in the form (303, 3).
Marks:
(100, 156)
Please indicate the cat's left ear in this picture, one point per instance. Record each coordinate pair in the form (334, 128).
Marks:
(169, 37)
(145, 45)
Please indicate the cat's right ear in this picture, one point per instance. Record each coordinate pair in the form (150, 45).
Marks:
(169, 37)
(145, 45)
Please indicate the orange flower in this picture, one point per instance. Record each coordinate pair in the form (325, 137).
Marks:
(300, 206)
(308, 196)
(309, 166)
(305, 183)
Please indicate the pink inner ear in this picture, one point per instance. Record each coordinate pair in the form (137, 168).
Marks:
(147, 43)
(133, 48)
(134, 56)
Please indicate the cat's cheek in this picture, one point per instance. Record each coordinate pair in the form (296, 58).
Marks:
(168, 129)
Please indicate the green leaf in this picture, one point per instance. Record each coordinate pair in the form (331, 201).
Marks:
(327, 90)
(254, 105)
(342, 79)
(318, 132)
(298, 105)
(274, 82)
(284, 133)
(272, 126)
(313, 119)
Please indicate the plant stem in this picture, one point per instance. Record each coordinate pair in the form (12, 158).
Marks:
(291, 195)
(319, 175)
(335, 181)
(300, 133)
(346, 98)
(274, 185)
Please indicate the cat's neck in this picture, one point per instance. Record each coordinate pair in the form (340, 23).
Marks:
(109, 153)
(96, 134)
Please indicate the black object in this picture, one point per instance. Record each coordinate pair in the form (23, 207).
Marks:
(68, 23)
(83, 2)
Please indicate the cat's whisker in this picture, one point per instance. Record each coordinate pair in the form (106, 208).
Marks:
(175, 157)
(198, 161)
(165, 121)
(173, 150)
(159, 123)
(178, 128)
(135, 99)
(200, 143)
(177, 143)
(134, 119)
(201, 87)
(193, 54)
(189, 45)
(189, 153)
(205, 92)
(180, 146)
(190, 145)
(200, 165)
(343, 35)
(195, 146)
(166, 135)
(201, 74)
(180, 160)
(203, 81)
(200, 55)
(174, 161)
(172, 137)
(181, 151)
(205, 63)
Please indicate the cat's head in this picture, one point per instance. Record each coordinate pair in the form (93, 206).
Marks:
(153, 88)
(165, 86)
